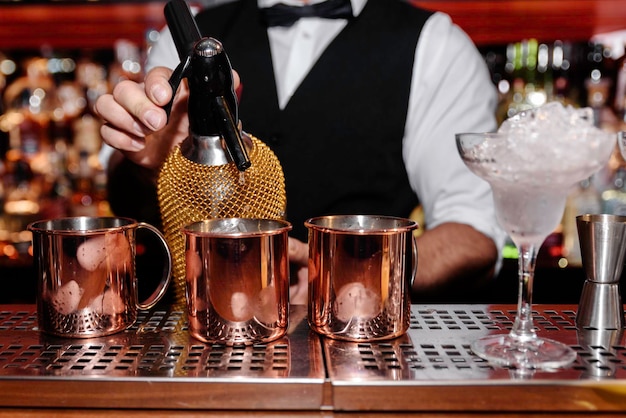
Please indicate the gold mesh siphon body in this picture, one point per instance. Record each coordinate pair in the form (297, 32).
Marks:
(190, 192)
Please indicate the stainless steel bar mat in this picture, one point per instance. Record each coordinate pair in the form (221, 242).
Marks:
(156, 364)
(432, 368)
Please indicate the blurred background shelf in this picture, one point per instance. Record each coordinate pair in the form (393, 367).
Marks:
(97, 24)
(76, 25)
(503, 21)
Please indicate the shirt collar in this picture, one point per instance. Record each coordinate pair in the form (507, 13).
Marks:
(357, 5)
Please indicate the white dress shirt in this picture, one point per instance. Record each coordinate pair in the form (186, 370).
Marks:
(451, 92)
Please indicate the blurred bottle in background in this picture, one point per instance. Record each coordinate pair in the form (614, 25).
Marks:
(620, 91)
(584, 199)
(50, 156)
(598, 85)
(128, 64)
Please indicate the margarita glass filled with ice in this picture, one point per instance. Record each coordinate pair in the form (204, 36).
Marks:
(532, 163)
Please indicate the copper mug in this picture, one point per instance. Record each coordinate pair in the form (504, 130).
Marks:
(86, 280)
(237, 280)
(361, 268)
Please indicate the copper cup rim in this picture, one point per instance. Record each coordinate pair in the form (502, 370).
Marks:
(82, 225)
(255, 227)
(358, 224)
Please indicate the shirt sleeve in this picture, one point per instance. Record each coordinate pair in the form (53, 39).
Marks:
(451, 92)
(163, 52)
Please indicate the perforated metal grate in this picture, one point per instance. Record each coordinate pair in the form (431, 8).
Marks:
(17, 320)
(157, 345)
(437, 347)
(102, 359)
(430, 368)
(465, 318)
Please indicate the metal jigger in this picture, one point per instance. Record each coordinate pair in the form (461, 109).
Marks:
(602, 246)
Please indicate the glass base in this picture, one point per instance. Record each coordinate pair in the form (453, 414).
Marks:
(536, 353)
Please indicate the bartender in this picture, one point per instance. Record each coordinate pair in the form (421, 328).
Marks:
(360, 100)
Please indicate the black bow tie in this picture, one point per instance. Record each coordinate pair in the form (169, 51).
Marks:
(284, 15)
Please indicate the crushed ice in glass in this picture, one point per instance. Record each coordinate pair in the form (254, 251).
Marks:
(558, 143)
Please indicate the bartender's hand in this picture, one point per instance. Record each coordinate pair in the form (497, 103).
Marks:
(299, 257)
(135, 122)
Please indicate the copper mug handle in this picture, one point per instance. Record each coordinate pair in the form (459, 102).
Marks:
(159, 292)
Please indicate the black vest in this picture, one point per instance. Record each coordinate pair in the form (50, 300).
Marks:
(339, 139)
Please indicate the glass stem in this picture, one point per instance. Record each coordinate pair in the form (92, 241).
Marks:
(523, 327)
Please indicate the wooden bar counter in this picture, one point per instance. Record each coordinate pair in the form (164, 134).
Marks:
(156, 369)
